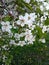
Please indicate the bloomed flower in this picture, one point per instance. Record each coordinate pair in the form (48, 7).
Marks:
(21, 43)
(44, 29)
(28, 36)
(27, 1)
(17, 36)
(21, 21)
(6, 27)
(12, 42)
(42, 40)
(30, 16)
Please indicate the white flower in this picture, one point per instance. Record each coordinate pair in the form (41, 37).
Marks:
(41, 8)
(41, 25)
(17, 36)
(6, 26)
(42, 40)
(48, 28)
(5, 47)
(27, 31)
(46, 13)
(27, 19)
(4, 58)
(46, 5)
(44, 29)
(31, 27)
(43, 18)
(21, 21)
(12, 42)
(40, 0)
(22, 34)
(21, 43)
(10, 34)
(29, 37)
(27, 1)
(30, 16)
(29, 23)
(33, 16)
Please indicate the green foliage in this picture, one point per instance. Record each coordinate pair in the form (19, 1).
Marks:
(7, 18)
(36, 54)
(14, 30)
(23, 7)
(39, 32)
(46, 22)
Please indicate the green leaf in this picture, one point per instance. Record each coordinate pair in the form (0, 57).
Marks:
(46, 22)
(38, 10)
(33, 2)
(20, 9)
(0, 26)
(39, 33)
(28, 6)
(8, 60)
(14, 30)
(7, 18)
(21, 38)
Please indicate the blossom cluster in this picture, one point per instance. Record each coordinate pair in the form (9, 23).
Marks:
(29, 27)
